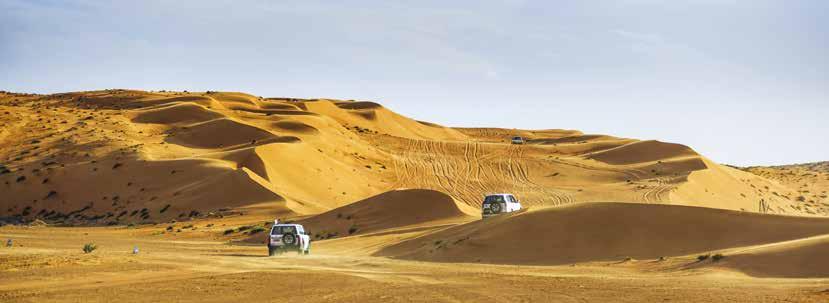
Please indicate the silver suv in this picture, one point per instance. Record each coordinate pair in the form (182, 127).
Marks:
(495, 204)
(288, 237)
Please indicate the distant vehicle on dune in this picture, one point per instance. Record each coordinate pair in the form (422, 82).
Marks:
(496, 204)
(517, 140)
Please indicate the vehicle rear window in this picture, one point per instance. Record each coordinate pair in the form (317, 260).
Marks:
(280, 230)
(494, 199)
(516, 138)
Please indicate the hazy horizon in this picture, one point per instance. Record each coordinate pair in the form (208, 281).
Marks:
(741, 82)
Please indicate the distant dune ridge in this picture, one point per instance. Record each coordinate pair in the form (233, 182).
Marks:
(319, 154)
(354, 168)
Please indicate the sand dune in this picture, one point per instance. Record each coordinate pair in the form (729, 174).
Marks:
(347, 151)
(222, 133)
(643, 152)
(175, 114)
(603, 232)
(371, 116)
(384, 212)
(802, 258)
(295, 127)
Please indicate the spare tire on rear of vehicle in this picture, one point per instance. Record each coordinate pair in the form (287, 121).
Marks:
(495, 208)
(289, 240)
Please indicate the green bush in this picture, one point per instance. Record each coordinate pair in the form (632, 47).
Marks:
(89, 247)
(229, 231)
(703, 257)
(717, 257)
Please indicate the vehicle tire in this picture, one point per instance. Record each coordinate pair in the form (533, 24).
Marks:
(307, 251)
(495, 208)
(271, 251)
(290, 239)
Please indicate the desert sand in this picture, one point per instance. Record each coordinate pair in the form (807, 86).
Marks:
(391, 203)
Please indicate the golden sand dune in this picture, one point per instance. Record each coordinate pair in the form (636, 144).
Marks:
(604, 232)
(175, 113)
(409, 208)
(801, 258)
(319, 154)
(643, 152)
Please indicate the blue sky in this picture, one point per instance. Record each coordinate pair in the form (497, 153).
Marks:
(742, 82)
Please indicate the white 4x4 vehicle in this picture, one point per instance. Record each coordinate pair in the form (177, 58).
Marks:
(495, 204)
(288, 237)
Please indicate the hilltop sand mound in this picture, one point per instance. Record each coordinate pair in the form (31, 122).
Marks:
(232, 98)
(504, 135)
(572, 139)
(268, 104)
(643, 151)
(377, 118)
(222, 133)
(359, 105)
(603, 232)
(177, 113)
(164, 100)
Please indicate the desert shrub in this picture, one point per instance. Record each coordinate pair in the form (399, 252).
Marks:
(717, 257)
(164, 209)
(89, 247)
(257, 229)
(229, 231)
(170, 228)
(703, 257)
(352, 229)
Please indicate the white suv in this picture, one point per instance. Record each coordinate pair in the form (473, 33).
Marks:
(495, 204)
(517, 140)
(285, 237)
